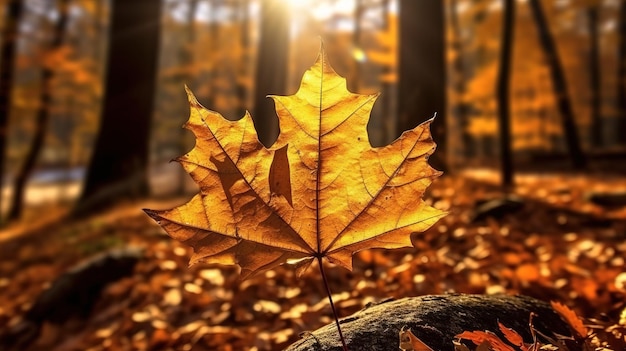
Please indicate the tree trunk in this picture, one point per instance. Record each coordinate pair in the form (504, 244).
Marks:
(271, 72)
(244, 41)
(357, 50)
(214, 35)
(421, 71)
(14, 9)
(43, 117)
(503, 93)
(118, 168)
(594, 73)
(186, 58)
(559, 85)
(621, 76)
(459, 109)
(436, 320)
(389, 122)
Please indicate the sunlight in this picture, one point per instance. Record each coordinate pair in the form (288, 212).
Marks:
(359, 54)
(321, 10)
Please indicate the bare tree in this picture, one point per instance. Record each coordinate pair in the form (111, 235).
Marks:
(244, 41)
(186, 58)
(43, 116)
(621, 74)
(14, 9)
(271, 72)
(118, 167)
(421, 71)
(503, 92)
(459, 109)
(559, 85)
(359, 9)
(592, 11)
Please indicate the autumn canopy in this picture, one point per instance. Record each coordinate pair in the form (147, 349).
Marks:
(321, 190)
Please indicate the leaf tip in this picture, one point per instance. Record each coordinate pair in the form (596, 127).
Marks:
(436, 173)
(178, 159)
(322, 60)
(429, 121)
(322, 47)
(152, 213)
(191, 97)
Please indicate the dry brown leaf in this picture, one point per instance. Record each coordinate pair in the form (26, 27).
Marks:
(571, 318)
(410, 342)
(481, 337)
(513, 337)
(321, 191)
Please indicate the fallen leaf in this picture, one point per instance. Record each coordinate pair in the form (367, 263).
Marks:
(193, 288)
(513, 337)
(459, 347)
(140, 317)
(320, 191)
(172, 297)
(410, 342)
(481, 337)
(213, 276)
(571, 318)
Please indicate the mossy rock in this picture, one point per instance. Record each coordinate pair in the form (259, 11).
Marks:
(436, 320)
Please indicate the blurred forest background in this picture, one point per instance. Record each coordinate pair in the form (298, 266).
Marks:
(530, 98)
(552, 71)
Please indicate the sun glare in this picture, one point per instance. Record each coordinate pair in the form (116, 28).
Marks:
(321, 9)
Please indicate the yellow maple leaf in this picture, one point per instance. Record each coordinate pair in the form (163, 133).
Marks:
(321, 191)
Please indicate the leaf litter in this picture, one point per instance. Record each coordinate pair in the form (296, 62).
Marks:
(576, 263)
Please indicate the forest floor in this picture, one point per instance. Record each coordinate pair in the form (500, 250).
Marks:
(558, 246)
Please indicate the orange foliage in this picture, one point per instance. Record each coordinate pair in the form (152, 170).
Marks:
(571, 318)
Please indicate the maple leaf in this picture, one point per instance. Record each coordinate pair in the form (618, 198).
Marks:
(321, 191)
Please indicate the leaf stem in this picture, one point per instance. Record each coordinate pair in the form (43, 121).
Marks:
(332, 304)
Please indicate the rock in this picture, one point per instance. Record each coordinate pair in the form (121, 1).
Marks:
(435, 320)
(608, 199)
(73, 294)
(497, 208)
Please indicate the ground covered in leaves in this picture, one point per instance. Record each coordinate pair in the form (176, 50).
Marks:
(557, 246)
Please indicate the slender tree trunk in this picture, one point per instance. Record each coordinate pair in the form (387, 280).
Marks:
(594, 72)
(43, 117)
(385, 90)
(621, 75)
(459, 108)
(421, 71)
(244, 42)
(191, 29)
(214, 35)
(271, 72)
(356, 45)
(503, 93)
(186, 55)
(118, 167)
(14, 9)
(559, 85)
